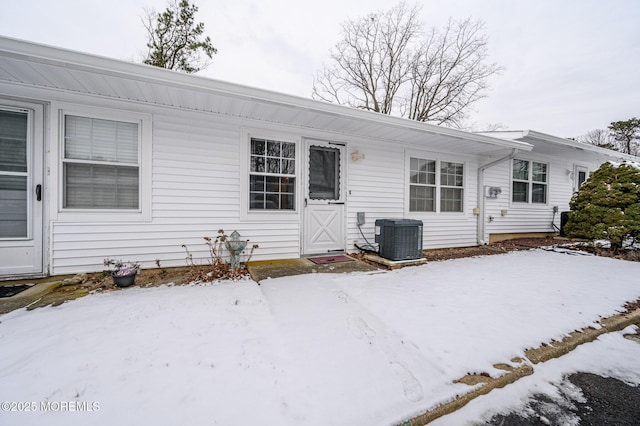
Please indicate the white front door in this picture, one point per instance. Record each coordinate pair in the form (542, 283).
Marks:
(21, 188)
(324, 202)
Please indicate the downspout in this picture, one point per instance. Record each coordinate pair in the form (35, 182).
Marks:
(481, 199)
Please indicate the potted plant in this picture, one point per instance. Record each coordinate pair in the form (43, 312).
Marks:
(123, 273)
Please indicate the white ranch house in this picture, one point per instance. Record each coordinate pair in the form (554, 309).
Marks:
(104, 158)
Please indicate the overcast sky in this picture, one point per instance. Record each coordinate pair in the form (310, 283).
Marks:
(570, 66)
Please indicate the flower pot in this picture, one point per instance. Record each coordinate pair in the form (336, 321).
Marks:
(124, 280)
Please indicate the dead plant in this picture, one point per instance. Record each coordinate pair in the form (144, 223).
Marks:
(218, 267)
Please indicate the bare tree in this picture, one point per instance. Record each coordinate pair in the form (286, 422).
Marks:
(371, 61)
(598, 137)
(386, 63)
(623, 136)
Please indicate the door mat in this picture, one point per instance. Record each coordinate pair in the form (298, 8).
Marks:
(330, 259)
(12, 290)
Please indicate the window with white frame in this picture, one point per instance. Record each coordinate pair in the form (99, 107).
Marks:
(422, 186)
(272, 175)
(529, 182)
(451, 186)
(101, 164)
(581, 174)
(430, 177)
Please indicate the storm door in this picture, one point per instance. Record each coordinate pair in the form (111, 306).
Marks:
(324, 198)
(20, 191)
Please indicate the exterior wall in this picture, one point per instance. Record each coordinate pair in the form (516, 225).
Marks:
(534, 218)
(195, 192)
(195, 162)
(196, 184)
(378, 177)
(378, 186)
(450, 229)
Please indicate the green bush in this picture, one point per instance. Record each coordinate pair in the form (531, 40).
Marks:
(607, 206)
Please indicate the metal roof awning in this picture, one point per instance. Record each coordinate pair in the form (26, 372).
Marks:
(38, 66)
(554, 145)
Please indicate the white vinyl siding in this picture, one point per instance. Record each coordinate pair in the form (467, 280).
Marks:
(100, 164)
(376, 188)
(196, 190)
(200, 175)
(512, 217)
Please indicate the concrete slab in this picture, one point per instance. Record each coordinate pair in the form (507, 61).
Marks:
(25, 298)
(261, 270)
(394, 264)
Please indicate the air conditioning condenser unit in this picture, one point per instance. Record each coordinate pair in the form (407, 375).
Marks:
(399, 239)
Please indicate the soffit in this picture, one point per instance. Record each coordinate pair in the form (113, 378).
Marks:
(33, 65)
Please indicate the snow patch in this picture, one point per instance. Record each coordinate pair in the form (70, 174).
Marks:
(634, 164)
(316, 349)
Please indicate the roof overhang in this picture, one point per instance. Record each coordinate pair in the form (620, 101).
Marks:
(552, 145)
(34, 65)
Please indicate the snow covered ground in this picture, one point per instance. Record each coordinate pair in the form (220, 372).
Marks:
(319, 349)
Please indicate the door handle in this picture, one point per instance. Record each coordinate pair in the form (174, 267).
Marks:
(39, 192)
(336, 203)
(305, 202)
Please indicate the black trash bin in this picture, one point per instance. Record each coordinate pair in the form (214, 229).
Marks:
(564, 218)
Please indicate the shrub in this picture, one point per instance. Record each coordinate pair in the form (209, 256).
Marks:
(607, 206)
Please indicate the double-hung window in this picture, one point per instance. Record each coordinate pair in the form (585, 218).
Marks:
(422, 186)
(529, 182)
(272, 175)
(101, 164)
(435, 185)
(451, 186)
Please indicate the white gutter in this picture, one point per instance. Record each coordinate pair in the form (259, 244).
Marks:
(481, 200)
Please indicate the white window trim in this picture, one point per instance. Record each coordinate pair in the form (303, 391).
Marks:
(529, 203)
(438, 159)
(577, 168)
(144, 121)
(248, 215)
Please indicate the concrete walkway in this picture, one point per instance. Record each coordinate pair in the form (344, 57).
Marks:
(40, 287)
(262, 270)
(57, 289)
